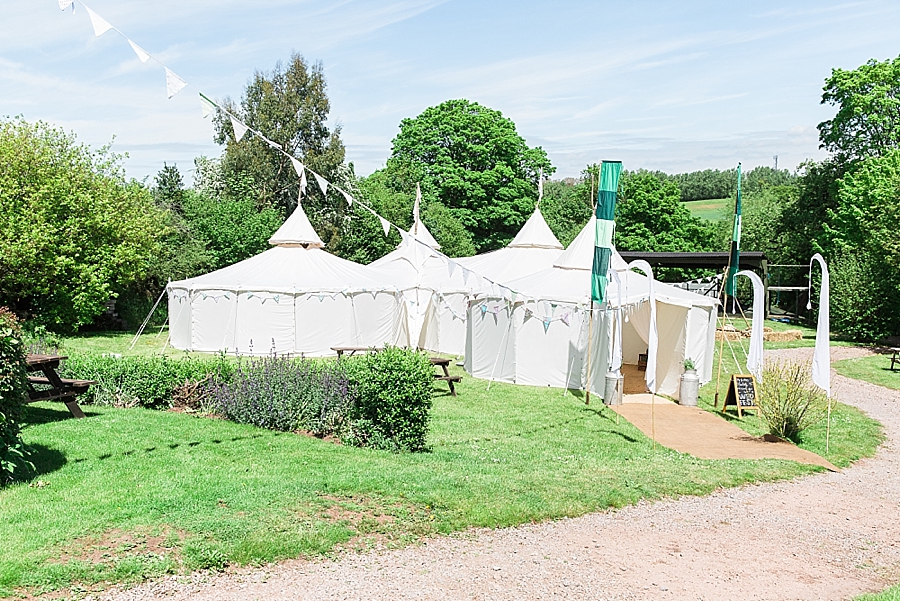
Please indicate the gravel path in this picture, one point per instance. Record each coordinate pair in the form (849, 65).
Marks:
(827, 536)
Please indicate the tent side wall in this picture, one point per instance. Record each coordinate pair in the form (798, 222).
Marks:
(444, 327)
(179, 319)
(554, 355)
(213, 319)
(491, 344)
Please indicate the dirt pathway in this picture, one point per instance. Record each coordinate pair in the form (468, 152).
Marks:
(828, 536)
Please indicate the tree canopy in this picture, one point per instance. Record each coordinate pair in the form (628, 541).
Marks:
(867, 122)
(289, 106)
(471, 160)
(72, 230)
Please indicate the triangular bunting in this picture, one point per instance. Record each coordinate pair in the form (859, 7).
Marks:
(274, 145)
(302, 181)
(100, 24)
(207, 106)
(64, 4)
(451, 267)
(323, 183)
(174, 84)
(385, 225)
(239, 129)
(546, 323)
(348, 198)
(298, 167)
(141, 53)
(466, 273)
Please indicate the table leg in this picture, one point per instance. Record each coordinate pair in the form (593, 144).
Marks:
(74, 409)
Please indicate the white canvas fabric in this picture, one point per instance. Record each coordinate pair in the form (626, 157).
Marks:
(534, 248)
(534, 352)
(652, 331)
(755, 356)
(294, 298)
(207, 107)
(821, 365)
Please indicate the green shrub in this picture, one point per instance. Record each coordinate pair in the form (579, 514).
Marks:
(788, 400)
(141, 381)
(393, 399)
(13, 395)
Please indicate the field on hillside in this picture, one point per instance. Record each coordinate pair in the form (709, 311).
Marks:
(713, 209)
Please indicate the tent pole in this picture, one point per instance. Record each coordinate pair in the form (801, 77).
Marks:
(828, 425)
(653, 418)
(587, 393)
(721, 342)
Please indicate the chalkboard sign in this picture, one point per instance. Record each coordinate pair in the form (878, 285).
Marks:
(741, 393)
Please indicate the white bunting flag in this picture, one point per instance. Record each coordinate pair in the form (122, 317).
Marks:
(141, 53)
(207, 106)
(174, 84)
(466, 274)
(274, 145)
(239, 129)
(451, 267)
(298, 167)
(323, 183)
(385, 225)
(348, 198)
(302, 181)
(100, 24)
(64, 4)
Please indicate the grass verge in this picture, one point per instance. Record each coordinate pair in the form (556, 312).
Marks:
(890, 594)
(875, 369)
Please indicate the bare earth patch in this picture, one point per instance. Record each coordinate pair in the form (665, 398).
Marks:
(828, 536)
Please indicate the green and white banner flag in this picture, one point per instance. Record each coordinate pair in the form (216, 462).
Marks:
(735, 260)
(605, 226)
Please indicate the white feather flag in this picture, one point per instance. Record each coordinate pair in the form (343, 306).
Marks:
(239, 129)
(174, 84)
(755, 356)
(821, 364)
(100, 24)
(141, 53)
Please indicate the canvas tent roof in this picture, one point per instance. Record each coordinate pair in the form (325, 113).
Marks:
(534, 248)
(296, 230)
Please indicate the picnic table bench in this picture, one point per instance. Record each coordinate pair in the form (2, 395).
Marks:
(352, 350)
(54, 388)
(895, 358)
(444, 363)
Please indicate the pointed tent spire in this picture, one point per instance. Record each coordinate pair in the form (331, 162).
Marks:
(296, 230)
(535, 234)
(418, 230)
(580, 254)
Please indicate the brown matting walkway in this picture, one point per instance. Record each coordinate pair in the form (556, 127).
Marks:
(706, 435)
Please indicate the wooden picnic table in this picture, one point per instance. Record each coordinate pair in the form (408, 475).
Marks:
(352, 350)
(52, 387)
(445, 363)
(895, 358)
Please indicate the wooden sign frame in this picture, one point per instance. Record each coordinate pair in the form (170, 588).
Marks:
(734, 395)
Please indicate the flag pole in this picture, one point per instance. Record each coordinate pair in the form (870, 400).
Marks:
(587, 393)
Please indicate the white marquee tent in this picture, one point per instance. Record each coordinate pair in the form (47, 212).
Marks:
(435, 292)
(534, 248)
(539, 336)
(295, 298)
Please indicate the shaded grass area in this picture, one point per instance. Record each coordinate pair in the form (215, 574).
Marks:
(875, 369)
(218, 493)
(713, 209)
(151, 342)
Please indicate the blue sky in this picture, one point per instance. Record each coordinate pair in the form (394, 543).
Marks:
(676, 86)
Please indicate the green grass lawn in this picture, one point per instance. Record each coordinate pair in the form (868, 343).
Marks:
(713, 210)
(890, 594)
(128, 494)
(875, 369)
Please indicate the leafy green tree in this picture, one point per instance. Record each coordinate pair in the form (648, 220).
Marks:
(864, 237)
(566, 208)
(72, 230)
(290, 107)
(867, 123)
(472, 161)
(169, 189)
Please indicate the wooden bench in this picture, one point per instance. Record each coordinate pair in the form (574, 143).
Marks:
(352, 350)
(57, 389)
(444, 363)
(895, 358)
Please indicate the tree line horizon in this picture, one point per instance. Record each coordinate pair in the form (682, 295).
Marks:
(75, 233)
